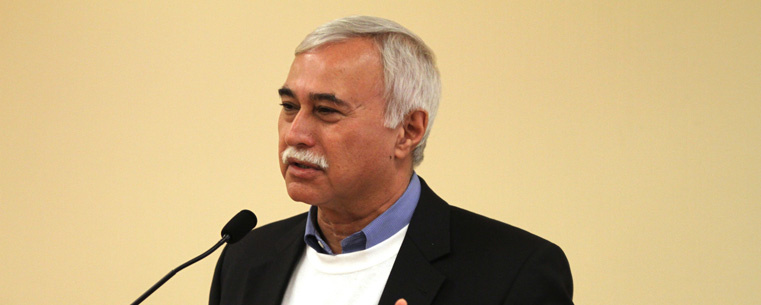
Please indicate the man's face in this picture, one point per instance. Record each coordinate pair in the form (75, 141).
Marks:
(333, 107)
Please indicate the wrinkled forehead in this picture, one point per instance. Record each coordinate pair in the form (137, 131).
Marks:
(349, 67)
(346, 53)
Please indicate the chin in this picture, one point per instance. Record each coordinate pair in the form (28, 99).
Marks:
(303, 194)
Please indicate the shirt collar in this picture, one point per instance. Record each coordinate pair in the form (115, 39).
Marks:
(380, 229)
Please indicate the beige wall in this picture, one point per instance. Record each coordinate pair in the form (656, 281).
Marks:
(628, 132)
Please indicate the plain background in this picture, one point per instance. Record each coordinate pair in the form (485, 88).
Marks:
(627, 132)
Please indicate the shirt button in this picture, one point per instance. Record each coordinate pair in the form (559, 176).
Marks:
(321, 245)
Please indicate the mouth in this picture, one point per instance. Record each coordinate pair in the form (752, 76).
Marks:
(302, 164)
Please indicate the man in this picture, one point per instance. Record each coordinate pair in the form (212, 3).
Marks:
(357, 107)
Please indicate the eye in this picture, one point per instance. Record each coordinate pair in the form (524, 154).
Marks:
(325, 110)
(288, 106)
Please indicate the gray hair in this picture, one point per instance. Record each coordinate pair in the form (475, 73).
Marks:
(411, 79)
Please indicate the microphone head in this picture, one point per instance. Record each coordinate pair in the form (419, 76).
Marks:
(239, 226)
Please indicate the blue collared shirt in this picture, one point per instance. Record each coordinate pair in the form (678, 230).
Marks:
(380, 229)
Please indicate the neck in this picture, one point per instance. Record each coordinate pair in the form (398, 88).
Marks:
(338, 223)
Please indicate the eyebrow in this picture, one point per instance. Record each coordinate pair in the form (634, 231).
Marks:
(285, 91)
(327, 97)
(330, 97)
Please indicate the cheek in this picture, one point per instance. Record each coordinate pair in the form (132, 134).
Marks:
(282, 130)
(281, 127)
(360, 147)
(281, 146)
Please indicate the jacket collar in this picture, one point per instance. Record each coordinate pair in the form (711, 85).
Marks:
(266, 283)
(412, 277)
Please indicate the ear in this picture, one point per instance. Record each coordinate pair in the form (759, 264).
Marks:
(411, 132)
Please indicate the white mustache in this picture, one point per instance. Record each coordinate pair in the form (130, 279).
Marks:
(304, 156)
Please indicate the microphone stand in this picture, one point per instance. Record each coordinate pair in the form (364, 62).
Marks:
(169, 275)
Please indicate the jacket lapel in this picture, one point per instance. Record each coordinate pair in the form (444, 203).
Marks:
(278, 270)
(413, 276)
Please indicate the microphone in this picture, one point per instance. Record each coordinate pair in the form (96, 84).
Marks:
(239, 226)
(234, 230)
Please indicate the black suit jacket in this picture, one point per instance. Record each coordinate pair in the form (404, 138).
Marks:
(449, 256)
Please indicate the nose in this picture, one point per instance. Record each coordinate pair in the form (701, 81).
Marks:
(300, 131)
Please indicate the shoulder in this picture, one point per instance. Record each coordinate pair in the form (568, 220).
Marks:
(469, 228)
(479, 229)
(261, 241)
(500, 260)
(480, 239)
(274, 228)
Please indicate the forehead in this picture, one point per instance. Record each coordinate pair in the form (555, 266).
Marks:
(349, 69)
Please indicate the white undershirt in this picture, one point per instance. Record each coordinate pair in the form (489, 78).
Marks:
(355, 278)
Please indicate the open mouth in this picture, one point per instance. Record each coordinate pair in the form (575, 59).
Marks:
(303, 159)
(304, 165)
(299, 165)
